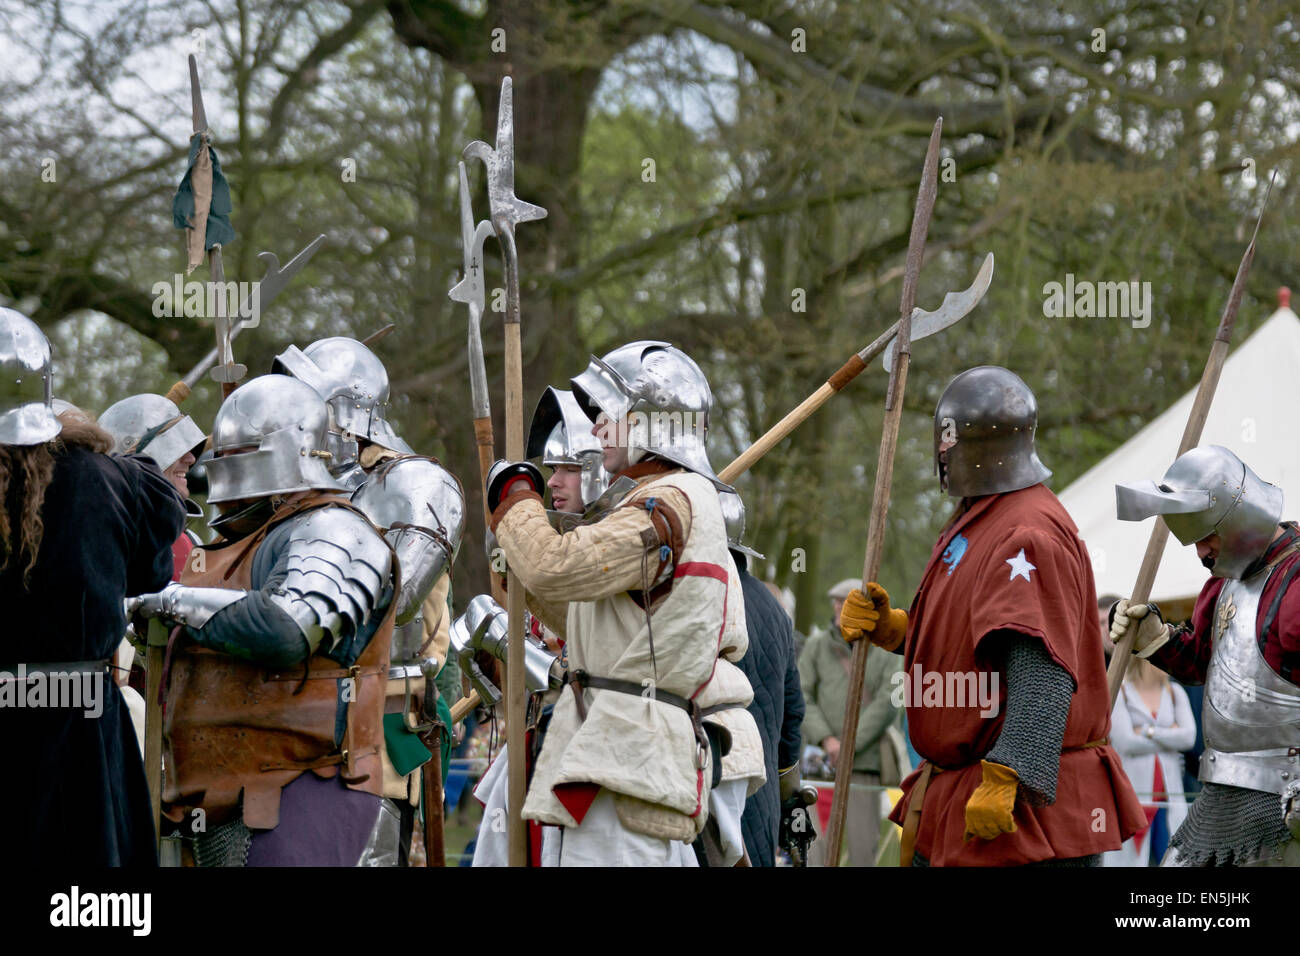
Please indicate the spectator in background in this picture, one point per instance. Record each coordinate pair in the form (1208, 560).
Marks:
(1150, 727)
(1104, 604)
(824, 674)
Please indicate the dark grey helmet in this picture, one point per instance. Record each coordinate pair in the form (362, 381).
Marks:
(990, 416)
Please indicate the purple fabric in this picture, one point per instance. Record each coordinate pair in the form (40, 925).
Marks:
(322, 823)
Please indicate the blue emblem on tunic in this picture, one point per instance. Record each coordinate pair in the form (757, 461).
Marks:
(953, 554)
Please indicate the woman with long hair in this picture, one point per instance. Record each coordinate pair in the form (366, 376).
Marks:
(79, 531)
(1151, 726)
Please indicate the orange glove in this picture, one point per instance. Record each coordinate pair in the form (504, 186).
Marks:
(989, 809)
(870, 614)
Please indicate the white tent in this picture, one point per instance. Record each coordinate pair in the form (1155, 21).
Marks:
(1253, 414)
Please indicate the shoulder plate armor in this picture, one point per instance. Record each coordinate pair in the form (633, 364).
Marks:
(420, 508)
(338, 570)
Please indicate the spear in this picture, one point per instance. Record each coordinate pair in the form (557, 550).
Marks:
(508, 211)
(1191, 438)
(884, 476)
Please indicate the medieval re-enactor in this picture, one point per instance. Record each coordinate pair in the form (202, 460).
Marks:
(1243, 643)
(771, 666)
(276, 685)
(153, 426)
(560, 435)
(1024, 775)
(650, 606)
(420, 508)
(80, 531)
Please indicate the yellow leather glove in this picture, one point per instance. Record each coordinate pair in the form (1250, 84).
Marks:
(870, 614)
(989, 809)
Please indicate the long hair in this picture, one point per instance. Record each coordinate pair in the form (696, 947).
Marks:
(25, 475)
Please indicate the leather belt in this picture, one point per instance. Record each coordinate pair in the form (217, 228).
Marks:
(581, 680)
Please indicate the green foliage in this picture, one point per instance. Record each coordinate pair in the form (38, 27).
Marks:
(769, 244)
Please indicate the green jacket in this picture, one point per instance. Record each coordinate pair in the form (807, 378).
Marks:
(823, 672)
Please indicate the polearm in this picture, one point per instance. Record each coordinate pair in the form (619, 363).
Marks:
(884, 477)
(227, 371)
(1146, 578)
(507, 212)
(156, 643)
(471, 291)
(271, 285)
(955, 306)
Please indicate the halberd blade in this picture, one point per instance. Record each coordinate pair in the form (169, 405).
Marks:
(955, 307)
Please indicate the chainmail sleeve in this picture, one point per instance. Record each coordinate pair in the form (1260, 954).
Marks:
(1038, 704)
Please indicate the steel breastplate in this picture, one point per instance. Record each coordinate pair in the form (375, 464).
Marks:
(1251, 716)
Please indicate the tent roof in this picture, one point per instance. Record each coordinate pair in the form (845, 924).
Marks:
(1253, 414)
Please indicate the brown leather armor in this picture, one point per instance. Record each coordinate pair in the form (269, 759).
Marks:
(233, 727)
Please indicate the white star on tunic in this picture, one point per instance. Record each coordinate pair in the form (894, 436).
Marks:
(1019, 566)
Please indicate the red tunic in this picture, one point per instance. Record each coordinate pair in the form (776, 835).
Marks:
(1012, 562)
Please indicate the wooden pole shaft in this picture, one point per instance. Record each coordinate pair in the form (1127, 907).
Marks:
(1191, 438)
(435, 844)
(921, 213)
(154, 657)
(870, 569)
(846, 373)
(1146, 578)
(777, 432)
(464, 706)
(486, 444)
(516, 690)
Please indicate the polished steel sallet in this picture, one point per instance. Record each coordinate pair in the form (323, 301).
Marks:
(657, 400)
(269, 438)
(26, 384)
